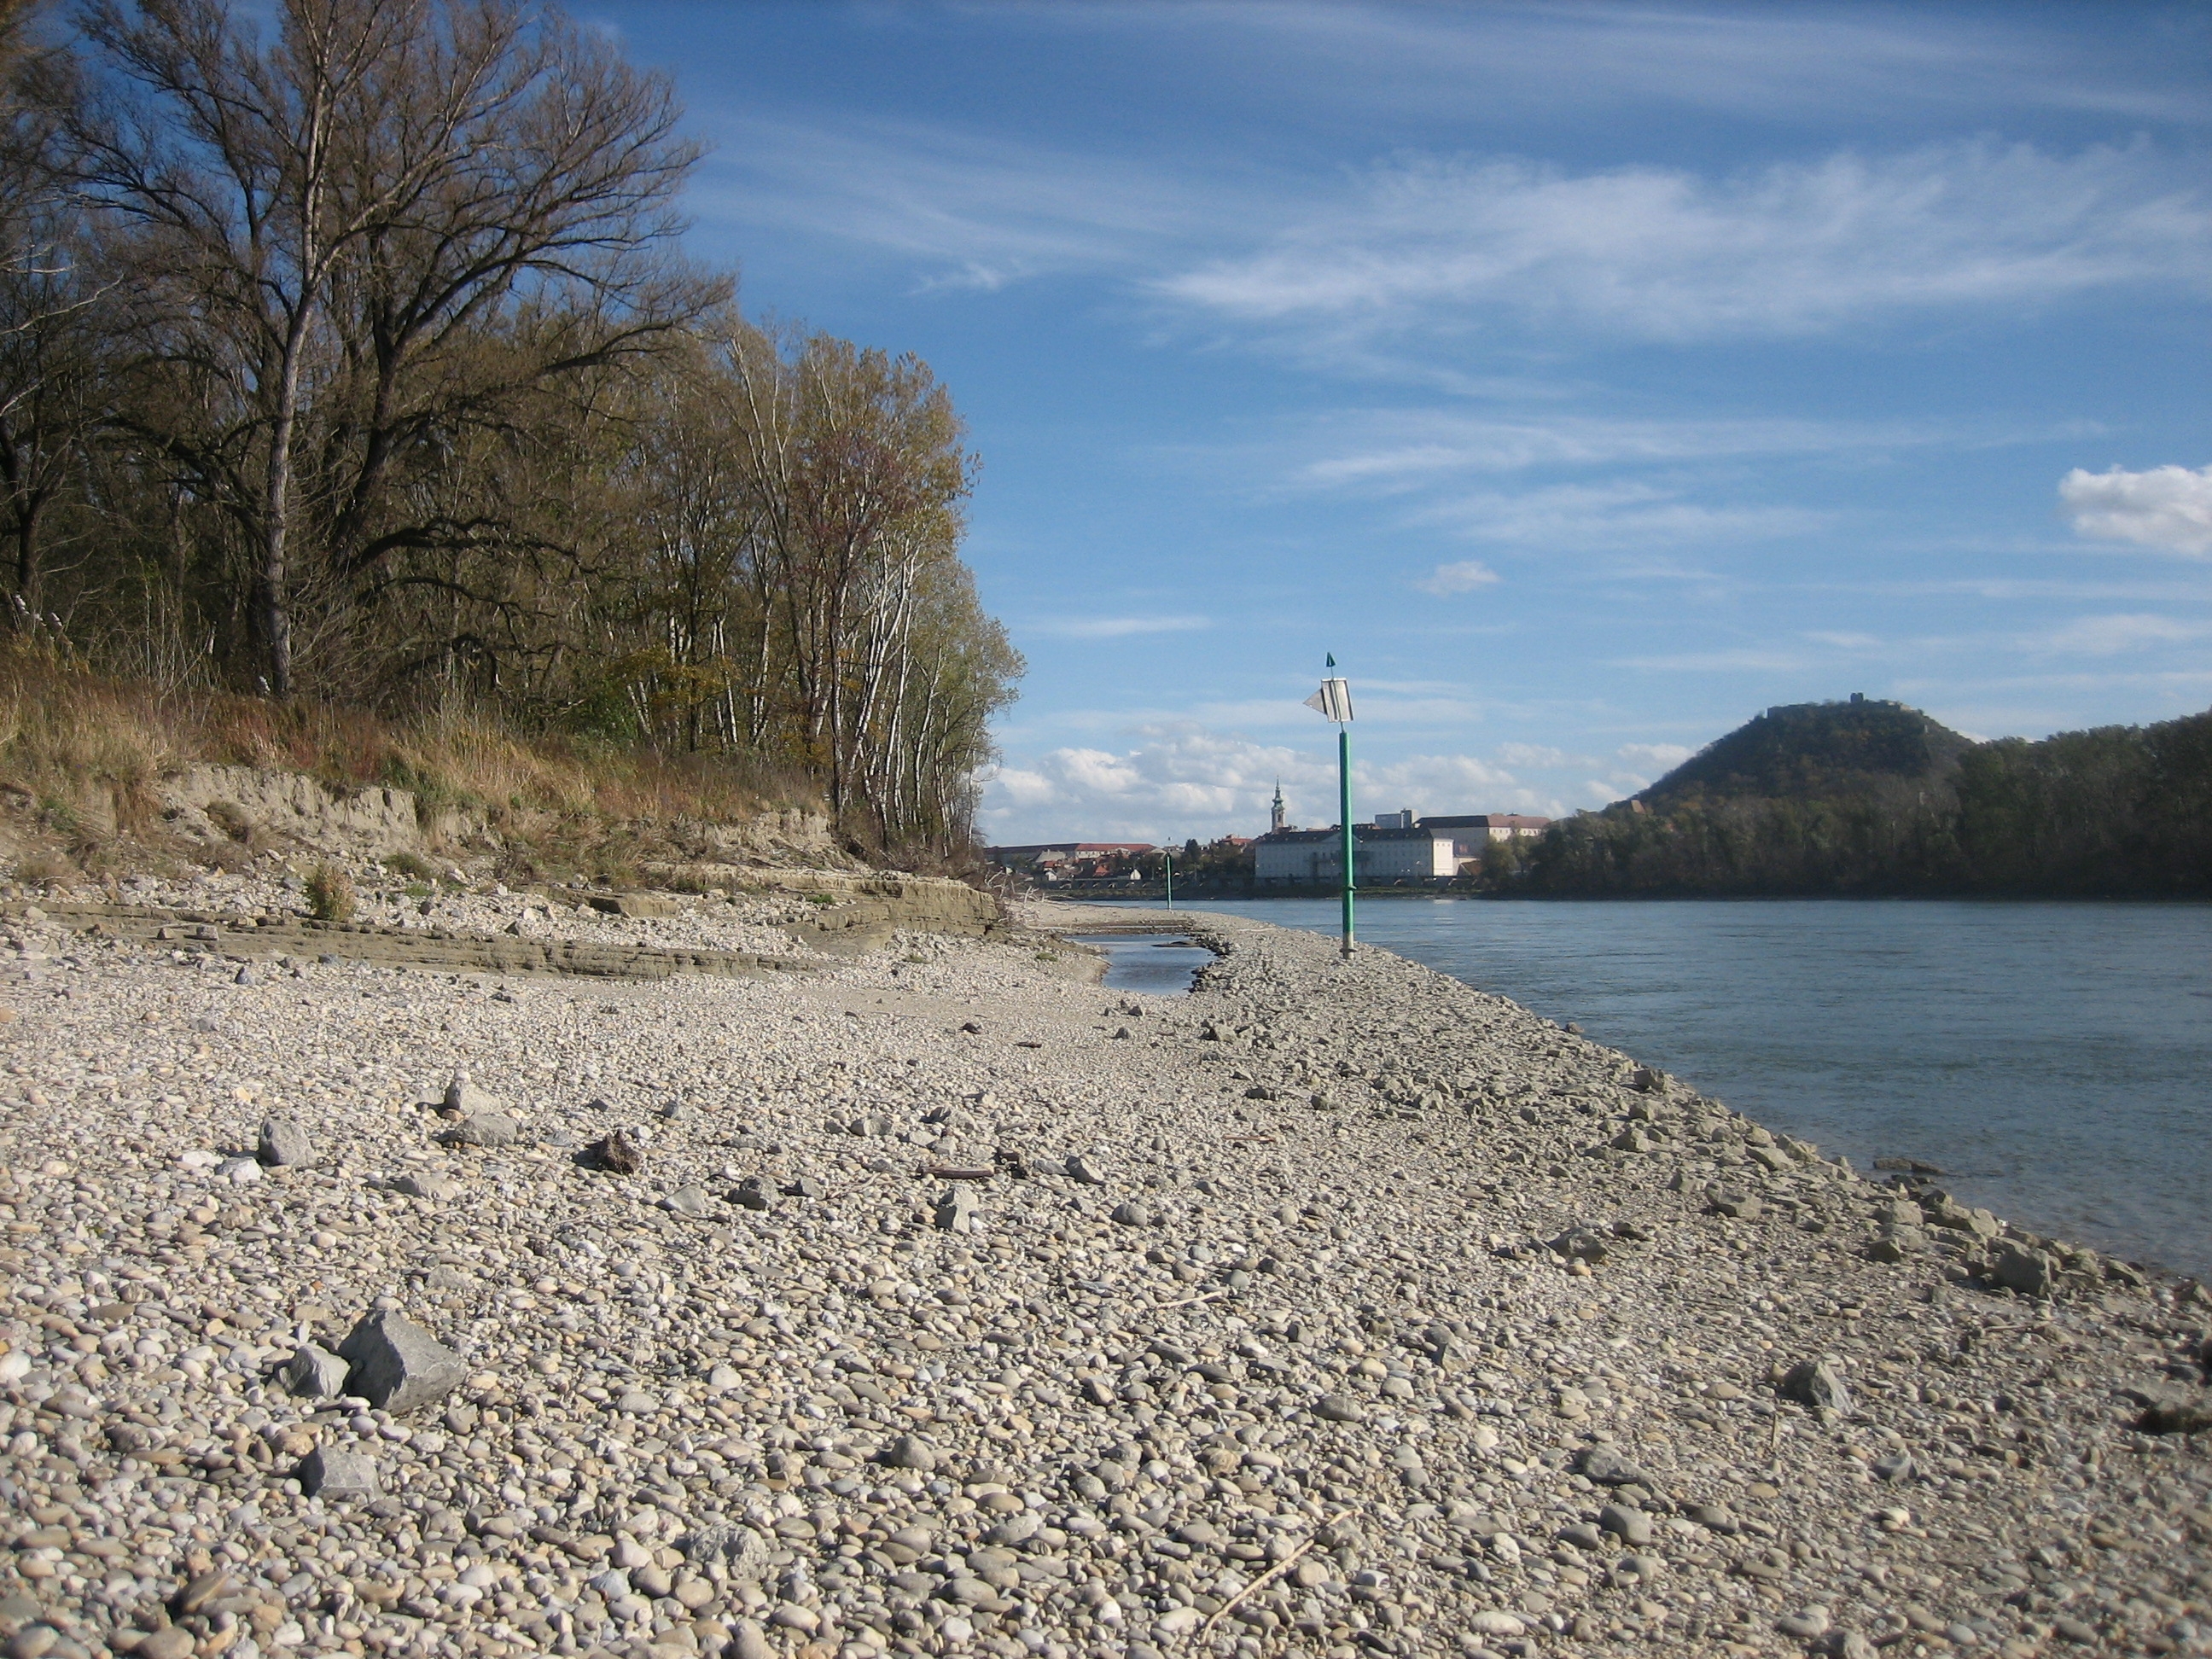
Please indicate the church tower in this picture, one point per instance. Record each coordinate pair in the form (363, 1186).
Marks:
(1276, 822)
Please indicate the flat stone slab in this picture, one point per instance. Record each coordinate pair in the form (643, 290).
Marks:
(333, 1471)
(395, 947)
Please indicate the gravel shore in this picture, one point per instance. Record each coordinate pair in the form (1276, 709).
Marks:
(940, 1302)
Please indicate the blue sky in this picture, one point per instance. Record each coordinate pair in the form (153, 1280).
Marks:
(1586, 378)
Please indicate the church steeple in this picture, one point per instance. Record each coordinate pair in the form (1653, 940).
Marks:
(1277, 822)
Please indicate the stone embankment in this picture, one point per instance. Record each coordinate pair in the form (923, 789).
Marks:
(205, 806)
(931, 1303)
(788, 926)
(248, 939)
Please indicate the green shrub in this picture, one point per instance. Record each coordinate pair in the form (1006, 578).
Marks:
(411, 864)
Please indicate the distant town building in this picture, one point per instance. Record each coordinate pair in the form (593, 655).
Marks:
(1397, 848)
(1304, 858)
(1491, 826)
(1071, 861)
(1277, 820)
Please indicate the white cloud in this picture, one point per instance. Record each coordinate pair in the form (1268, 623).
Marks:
(1740, 659)
(1625, 513)
(974, 209)
(1180, 780)
(1439, 783)
(1463, 576)
(1117, 627)
(1664, 756)
(1531, 753)
(1390, 450)
(1383, 62)
(1377, 707)
(2168, 507)
(1183, 778)
(2107, 636)
(1662, 254)
(1845, 641)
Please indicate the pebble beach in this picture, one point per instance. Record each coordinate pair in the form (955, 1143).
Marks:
(935, 1300)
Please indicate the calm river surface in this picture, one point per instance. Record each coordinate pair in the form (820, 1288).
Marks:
(2054, 1059)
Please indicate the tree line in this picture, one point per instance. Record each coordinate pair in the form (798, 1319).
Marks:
(353, 356)
(2118, 812)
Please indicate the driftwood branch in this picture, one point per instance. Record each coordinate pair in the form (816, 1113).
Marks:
(1270, 1575)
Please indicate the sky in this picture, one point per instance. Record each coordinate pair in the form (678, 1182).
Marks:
(1585, 377)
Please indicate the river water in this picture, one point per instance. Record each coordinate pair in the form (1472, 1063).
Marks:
(1155, 964)
(2055, 1061)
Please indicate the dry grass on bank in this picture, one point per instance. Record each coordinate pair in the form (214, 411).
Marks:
(82, 755)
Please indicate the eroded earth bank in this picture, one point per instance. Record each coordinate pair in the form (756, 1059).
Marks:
(935, 1301)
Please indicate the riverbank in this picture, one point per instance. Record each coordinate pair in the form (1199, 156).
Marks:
(2053, 1060)
(945, 1303)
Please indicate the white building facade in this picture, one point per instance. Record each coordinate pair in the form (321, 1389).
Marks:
(1395, 850)
(1381, 857)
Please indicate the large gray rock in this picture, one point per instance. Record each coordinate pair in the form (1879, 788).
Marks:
(315, 1373)
(175, 1642)
(2172, 1409)
(2029, 1273)
(398, 1365)
(692, 1200)
(1632, 1527)
(462, 1095)
(908, 1452)
(1806, 1625)
(284, 1142)
(1582, 1244)
(1015, 1529)
(955, 1211)
(1607, 1466)
(1818, 1382)
(622, 1153)
(337, 1472)
(1736, 1202)
(484, 1129)
(743, 1554)
(639, 905)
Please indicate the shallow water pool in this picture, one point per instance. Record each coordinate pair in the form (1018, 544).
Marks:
(1151, 965)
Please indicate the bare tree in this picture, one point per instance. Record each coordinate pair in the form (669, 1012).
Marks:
(52, 331)
(365, 191)
(352, 353)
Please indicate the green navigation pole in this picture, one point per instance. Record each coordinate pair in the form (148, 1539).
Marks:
(1333, 703)
(1344, 812)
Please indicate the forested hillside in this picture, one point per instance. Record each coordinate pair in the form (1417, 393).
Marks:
(350, 355)
(1872, 798)
(1810, 750)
